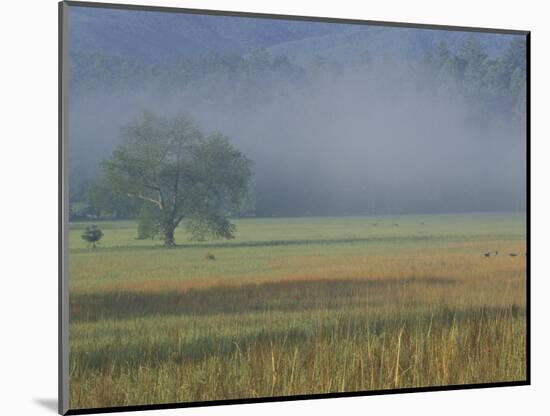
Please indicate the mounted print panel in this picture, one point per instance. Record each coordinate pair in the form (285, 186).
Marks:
(262, 208)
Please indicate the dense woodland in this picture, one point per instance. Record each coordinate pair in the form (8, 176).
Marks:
(495, 82)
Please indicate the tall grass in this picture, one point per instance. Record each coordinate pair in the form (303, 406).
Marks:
(313, 317)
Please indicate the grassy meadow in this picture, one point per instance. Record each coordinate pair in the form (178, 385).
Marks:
(297, 306)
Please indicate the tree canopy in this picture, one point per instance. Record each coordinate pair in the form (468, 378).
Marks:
(181, 173)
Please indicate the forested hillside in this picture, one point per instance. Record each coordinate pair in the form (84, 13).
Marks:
(253, 79)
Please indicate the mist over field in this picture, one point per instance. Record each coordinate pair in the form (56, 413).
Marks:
(338, 119)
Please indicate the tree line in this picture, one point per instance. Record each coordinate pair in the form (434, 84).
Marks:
(492, 83)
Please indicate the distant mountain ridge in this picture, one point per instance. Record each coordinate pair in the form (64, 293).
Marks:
(384, 42)
(164, 37)
(154, 36)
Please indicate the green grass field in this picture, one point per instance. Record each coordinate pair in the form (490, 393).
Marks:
(297, 306)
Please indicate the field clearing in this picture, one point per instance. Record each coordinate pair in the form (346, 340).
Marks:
(297, 306)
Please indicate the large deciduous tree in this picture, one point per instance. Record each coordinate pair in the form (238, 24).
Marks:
(183, 174)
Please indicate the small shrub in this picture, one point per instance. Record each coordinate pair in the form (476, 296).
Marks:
(92, 234)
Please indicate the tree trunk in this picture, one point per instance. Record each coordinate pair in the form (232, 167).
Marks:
(169, 235)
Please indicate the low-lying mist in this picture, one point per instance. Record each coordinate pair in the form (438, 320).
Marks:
(380, 139)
